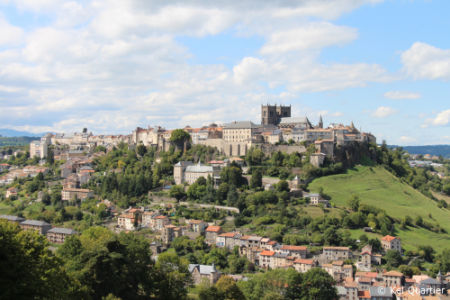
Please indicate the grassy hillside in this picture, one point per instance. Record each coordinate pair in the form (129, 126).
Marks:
(378, 187)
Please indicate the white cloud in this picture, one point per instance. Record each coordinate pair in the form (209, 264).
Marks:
(442, 118)
(423, 61)
(383, 112)
(407, 139)
(10, 35)
(311, 36)
(113, 65)
(401, 95)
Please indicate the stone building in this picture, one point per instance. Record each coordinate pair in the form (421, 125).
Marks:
(59, 235)
(69, 194)
(272, 114)
(202, 273)
(40, 227)
(186, 171)
(389, 242)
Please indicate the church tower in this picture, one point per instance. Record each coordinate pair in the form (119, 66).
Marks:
(320, 122)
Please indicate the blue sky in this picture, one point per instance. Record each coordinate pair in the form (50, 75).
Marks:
(113, 65)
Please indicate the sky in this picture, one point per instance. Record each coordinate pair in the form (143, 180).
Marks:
(113, 65)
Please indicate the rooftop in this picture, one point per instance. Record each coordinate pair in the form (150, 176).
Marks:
(213, 229)
(34, 223)
(62, 230)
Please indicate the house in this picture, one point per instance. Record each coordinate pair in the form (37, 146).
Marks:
(265, 259)
(160, 222)
(202, 273)
(59, 235)
(367, 258)
(170, 232)
(14, 219)
(294, 251)
(336, 253)
(228, 240)
(148, 218)
(377, 293)
(40, 226)
(389, 242)
(303, 265)
(11, 192)
(185, 171)
(4, 167)
(211, 234)
(316, 199)
(69, 194)
(393, 278)
(197, 225)
(127, 221)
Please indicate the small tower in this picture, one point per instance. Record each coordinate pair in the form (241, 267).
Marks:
(320, 122)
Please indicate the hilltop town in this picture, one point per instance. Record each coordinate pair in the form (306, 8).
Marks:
(235, 200)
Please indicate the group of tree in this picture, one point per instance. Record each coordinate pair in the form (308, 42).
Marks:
(94, 265)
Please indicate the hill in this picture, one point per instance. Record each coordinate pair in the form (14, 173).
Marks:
(16, 141)
(5, 132)
(377, 187)
(443, 150)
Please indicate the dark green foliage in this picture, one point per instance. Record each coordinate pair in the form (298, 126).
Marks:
(28, 268)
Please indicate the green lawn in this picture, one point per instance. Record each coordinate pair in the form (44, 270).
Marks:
(4, 208)
(378, 187)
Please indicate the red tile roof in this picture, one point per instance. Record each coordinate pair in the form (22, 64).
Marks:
(213, 228)
(304, 261)
(267, 253)
(294, 248)
(388, 238)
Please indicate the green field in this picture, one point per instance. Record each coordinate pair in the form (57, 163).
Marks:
(378, 187)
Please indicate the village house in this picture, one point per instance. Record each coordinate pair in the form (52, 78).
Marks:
(201, 273)
(58, 235)
(393, 278)
(148, 218)
(316, 199)
(211, 234)
(185, 171)
(336, 253)
(389, 242)
(11, 192)
(265, 259)
(160, 222)
(197, 225)
(4, 167)
(128, 221)
(170, 232)
(14, 219)
(338, 270)
(40, 227)
(294, 251)
(70, 194)
(367, 258)
(303, 265)
(228, 240)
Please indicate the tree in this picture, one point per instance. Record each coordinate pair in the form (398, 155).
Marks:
(180, 138)
(228, 288)
(232, 175)
(28, 268)
(282, 186)
(319, 285)
(426, 252)
(393, 258)
(256, 180)
(141, 150)
(177, 192)
(354, 203)
(175, 276)
(104, 263)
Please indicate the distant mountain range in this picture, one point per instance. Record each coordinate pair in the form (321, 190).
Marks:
(5, 132)
(443, 150)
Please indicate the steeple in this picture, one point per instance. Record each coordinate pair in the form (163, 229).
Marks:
(320, 122)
